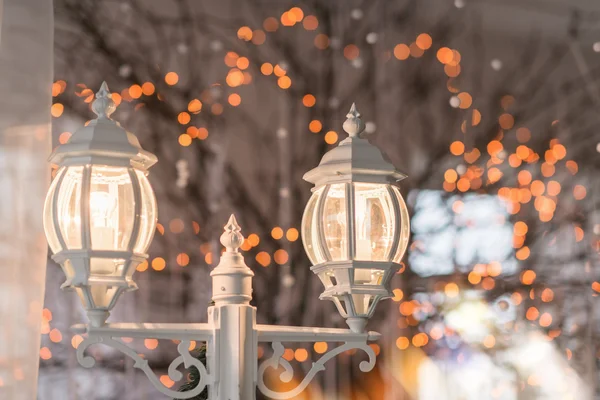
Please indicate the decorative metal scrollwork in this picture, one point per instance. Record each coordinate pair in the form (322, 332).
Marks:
(277, 360)
(184, 358)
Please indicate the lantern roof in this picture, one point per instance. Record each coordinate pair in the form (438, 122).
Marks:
(354, 159)
(103, 140)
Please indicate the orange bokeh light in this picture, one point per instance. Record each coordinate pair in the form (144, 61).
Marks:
(183, 259)
(320, 347)
(532, 313)
(457, 148)
(309, 100)
(171, 78)
(528, 277)
(266, 69)
(450, 176)
(315, 126)
(263, 258)
(424, 41)
(465, 100)
(234, 99)
(331, 137)
(310, 23)
(401, 51)
(351, 52)
(506, 121)
(284, 82)
(445, 55)
(579, 192)
(277, 233)
(158, 264)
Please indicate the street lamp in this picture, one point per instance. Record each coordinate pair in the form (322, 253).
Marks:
(99, 217)
(100, 210)
(355, 227)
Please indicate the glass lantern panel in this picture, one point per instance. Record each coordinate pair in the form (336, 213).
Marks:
(69, 207)
(335, 222)
(85, 299)
(366, 276)
(362, 303)
(404, 227)
(310, 226)
(49, 227)
(374, 222)
(147, 216)
(112, 208)
(102, 295)
(341, 305)
(107, 266)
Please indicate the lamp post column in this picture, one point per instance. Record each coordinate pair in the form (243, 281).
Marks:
(234, 321)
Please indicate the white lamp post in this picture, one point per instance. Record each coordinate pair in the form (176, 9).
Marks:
(100, 214)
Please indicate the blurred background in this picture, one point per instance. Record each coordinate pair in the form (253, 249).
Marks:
(490, 107)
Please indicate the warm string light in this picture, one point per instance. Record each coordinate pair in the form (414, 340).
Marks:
(515, 197)
(263, 258)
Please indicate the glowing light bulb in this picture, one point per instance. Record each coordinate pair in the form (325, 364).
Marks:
(104, 224)
(102, 205)
(104, 228)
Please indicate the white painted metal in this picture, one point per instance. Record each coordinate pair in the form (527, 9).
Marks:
(351, 237)
(103, 141)
(231, 336)
(185, 359)
(231, 333)
(235, 321)
(54, 211)
(198, 332)
(137, 201)
(232, 279)
(353, 160)
(277, 361)
(271, 333)
(236, 352)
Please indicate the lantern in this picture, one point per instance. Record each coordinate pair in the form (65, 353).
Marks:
(355, 226)
(100, 210)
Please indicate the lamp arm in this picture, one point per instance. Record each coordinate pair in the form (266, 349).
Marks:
(300, 334)
(106, 335)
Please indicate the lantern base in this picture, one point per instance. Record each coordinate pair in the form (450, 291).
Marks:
(97, 317)
(357, 324)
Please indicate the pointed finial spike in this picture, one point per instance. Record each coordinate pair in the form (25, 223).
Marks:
(103, 106)
(354, 126)
(103, 90)
(353, 112)
(232, 224)
(232, 239)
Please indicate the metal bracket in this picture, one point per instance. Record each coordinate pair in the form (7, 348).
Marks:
(277, 334)
(277, 360)
(106, 336)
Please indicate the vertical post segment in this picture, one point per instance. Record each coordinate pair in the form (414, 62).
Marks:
(235, 355)
(234, 321)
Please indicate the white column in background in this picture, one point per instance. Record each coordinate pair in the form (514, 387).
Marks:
(26, 60)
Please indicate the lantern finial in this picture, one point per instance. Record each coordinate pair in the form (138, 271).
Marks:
(354, 126)
(103, 106)
(232, 239)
